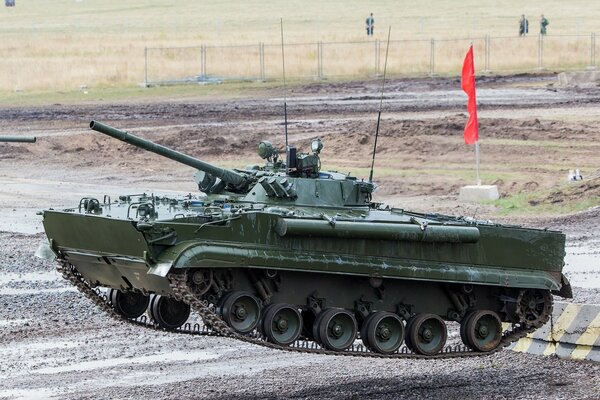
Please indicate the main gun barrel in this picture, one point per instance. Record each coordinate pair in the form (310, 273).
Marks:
(18, 139)
(228, 176)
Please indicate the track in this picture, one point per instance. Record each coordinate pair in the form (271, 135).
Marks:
(219, 328)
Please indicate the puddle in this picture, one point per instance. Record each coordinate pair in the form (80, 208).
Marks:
(37, 346)
(22, 220)
(187, 356)
(50, 276)
(582, 267)
(235, 367)
(33, 394)
(21, 292)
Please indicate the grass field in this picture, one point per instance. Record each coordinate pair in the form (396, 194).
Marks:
(66, 44)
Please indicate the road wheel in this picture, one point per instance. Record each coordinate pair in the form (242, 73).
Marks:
(241, 311)
(383, 332)
(337, 329)
(282, 324)
(427, 334)
(169, 313)
(128, 304)
(484, 330)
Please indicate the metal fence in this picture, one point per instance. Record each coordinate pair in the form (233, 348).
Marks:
(321, 60)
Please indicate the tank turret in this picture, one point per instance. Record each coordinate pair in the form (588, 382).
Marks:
(299, 180)
(18, 139)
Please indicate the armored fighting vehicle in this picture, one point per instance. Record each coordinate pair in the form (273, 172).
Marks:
(289, 256)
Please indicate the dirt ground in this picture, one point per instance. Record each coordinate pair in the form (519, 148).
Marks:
(54, 343)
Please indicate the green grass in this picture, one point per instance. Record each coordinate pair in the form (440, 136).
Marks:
(519, 204)
(538, 143)
(223, 90)
(136, 93)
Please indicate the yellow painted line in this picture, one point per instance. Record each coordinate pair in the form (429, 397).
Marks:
(581, 352)
(523, 345)
(562, 323)
(550, 349)
(591, 333)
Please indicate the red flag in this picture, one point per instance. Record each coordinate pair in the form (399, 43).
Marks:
(468, 86)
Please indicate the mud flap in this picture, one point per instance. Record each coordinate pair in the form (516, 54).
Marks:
(565, 290)
(160, 269)
(45, 252)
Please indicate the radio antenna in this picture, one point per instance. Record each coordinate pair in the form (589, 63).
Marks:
(285, 123)
(380, 104)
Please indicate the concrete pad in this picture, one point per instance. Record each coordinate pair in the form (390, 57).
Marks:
(579, 78)
(475, 193)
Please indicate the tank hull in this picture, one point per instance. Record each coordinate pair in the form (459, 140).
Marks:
(371, 261)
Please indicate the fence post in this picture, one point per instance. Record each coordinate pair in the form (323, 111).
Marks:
(593, 50)
(261, 59)
(145, 66)
(432, 58)
(376, 57)
(487, 53)
(320, 59)
(540, 51)
(203, 60)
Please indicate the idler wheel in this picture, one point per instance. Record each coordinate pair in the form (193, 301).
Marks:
(483, 330)
(427, 334)
(241, 311)
(200, 281)
(382, 332)
(168, 313)
(282, 324)
(337, 329)
(128, 304)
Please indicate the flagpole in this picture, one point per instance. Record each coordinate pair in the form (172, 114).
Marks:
(477, 162)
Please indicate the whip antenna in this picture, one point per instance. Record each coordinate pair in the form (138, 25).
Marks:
(285, 123)
(380, 103)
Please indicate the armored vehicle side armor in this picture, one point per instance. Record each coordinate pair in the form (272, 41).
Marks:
(289, 256)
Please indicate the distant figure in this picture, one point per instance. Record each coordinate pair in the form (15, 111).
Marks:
(370, 23)
(523, 26)
(543, 24)
(9, 3)
(575, 175)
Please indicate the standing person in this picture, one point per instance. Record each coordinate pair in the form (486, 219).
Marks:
(522, 25)
(370, 23)
(543, 24)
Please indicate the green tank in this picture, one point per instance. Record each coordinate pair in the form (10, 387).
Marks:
(288, 256)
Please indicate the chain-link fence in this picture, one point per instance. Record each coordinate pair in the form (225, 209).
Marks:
(321, 60)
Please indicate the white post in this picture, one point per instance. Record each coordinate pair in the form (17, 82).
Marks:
(477, 162)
